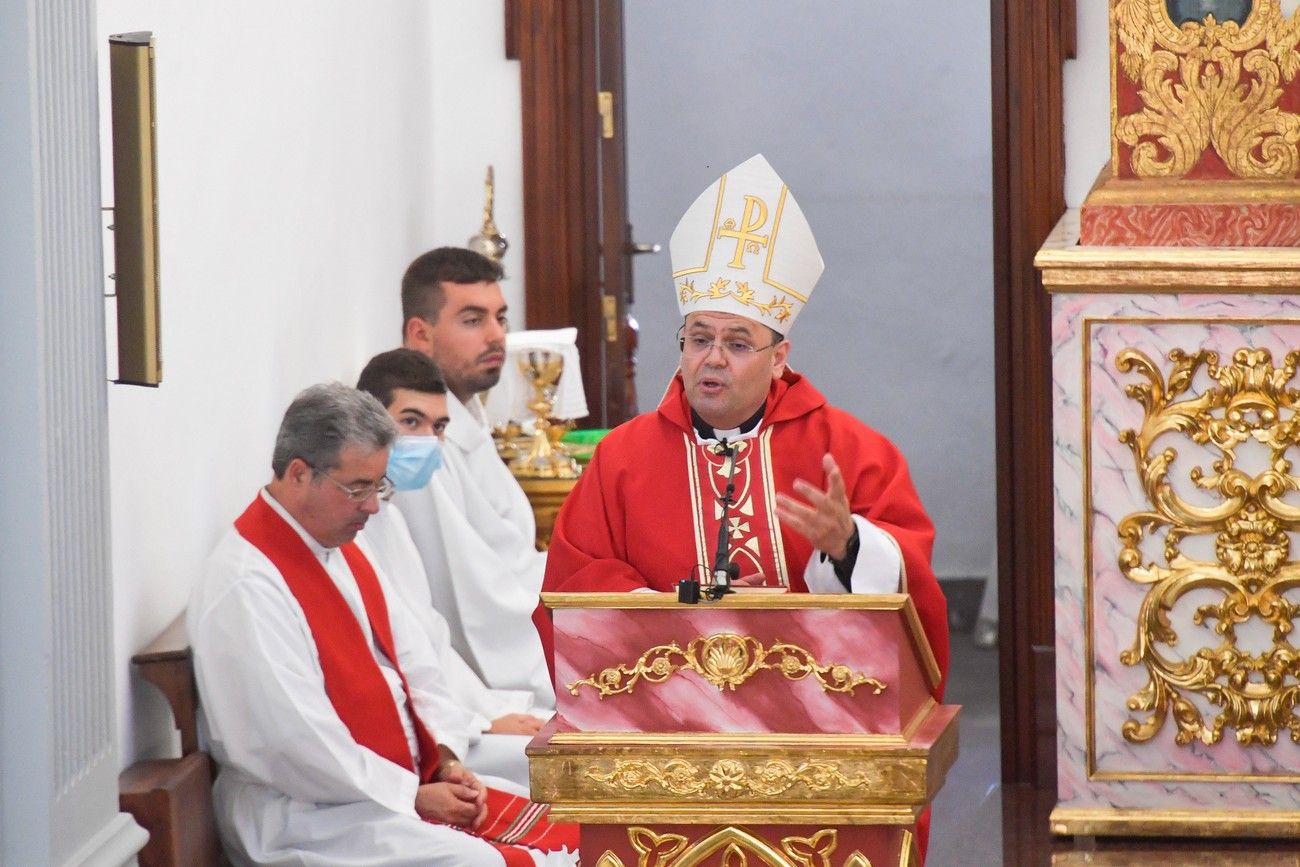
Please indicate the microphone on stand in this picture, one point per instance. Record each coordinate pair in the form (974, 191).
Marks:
(724, 571)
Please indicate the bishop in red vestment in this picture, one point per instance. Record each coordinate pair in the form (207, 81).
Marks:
(645, 513)
(744, 455)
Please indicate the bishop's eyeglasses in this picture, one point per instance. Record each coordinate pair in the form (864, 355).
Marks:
(736, 347)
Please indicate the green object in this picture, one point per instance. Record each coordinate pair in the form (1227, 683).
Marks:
(588, 437)
(582, 443)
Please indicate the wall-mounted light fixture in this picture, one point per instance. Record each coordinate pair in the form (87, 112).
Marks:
(135, 208)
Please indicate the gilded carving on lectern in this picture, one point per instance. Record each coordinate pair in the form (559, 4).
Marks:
(732, 778)
(736, 845)
(1247, 401)
(1206, 83)
(725, 660)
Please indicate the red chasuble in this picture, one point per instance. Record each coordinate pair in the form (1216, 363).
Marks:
(356, 686)
(645, 511)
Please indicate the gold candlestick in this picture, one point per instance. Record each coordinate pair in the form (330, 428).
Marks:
(488, 241)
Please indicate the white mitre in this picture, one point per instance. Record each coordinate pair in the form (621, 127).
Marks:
(744, 247)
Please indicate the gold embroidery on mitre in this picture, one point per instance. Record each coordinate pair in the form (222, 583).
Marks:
(778, 308)
(746, 237)
(1248, 400)
(726, 660)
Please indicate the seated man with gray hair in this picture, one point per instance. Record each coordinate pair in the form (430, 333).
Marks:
(322, 699)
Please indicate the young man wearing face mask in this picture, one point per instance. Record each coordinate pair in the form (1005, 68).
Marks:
(409, 386)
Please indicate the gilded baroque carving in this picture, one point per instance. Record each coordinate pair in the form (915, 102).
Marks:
(733, 778)
(1209, 84)
(725, 660)
(1249, 400)
(736, 845)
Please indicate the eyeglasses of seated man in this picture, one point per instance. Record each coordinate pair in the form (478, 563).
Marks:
(359, 493)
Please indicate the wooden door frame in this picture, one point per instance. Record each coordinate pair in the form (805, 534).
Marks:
(557, 45)
(1031, 39)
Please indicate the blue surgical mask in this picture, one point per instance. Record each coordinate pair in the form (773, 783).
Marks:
(412, 460)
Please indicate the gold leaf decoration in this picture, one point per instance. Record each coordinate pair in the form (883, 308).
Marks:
(734, 856)
(814, 851)
(725, 660)
(1249, 400)
(655, 850)
(1209, 84)
(730, 778)
(737, 845)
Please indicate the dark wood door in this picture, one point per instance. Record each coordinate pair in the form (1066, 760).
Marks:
(576, 236)
(1030, 44)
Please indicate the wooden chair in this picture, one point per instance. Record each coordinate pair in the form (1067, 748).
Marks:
(172, 798)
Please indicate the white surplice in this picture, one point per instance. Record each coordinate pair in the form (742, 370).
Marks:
(474, 529)
(294, 788)
(500, 755)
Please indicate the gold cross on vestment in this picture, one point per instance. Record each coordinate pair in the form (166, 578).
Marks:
(747, 239)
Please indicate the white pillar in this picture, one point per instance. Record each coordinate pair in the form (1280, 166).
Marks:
(58, 748)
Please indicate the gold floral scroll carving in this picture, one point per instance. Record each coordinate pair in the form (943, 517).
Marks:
(732, 778)
(1248, 400)
(725, 660)
(1208, 84)
(737, 845)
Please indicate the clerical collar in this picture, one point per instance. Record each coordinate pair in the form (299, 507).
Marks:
(319, 550)
(705, 432)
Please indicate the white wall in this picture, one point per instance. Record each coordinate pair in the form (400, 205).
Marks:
(880, 124)
(1087, 103)
(308, 150)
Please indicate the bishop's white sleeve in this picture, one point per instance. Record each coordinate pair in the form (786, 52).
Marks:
(878, 568)
(264, 701)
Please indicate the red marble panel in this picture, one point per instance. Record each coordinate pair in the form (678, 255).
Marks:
(873, 642)
(1265, 224)
(881, 844)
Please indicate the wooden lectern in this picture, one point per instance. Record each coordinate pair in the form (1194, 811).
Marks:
(778, 729)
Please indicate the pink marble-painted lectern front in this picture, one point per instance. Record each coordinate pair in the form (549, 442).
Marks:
(791, 729)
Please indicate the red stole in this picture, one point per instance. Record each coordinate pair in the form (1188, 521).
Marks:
(754, 533)
(356, 686)
(353, 681)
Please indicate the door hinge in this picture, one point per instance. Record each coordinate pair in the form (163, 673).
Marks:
(609, 308)
(605, 105)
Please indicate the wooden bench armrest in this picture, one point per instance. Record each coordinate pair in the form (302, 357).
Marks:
(168, 664)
